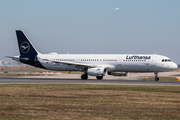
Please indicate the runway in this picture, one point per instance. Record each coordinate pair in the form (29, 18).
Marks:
(76, 80)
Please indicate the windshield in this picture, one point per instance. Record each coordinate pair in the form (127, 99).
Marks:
(166, 60)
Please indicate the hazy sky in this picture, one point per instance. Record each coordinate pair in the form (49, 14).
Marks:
(92, 26)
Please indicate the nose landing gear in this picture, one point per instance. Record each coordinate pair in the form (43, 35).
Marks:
(156, 76)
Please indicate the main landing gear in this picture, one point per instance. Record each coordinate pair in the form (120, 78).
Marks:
(99, 77)
(84, 76)
(156, 76)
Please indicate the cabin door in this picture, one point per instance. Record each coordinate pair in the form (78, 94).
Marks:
(153, 61)
(119, 61)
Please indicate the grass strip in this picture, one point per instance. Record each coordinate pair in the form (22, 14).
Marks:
(82, 101)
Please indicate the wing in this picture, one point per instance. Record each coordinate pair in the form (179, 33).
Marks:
(73, 63)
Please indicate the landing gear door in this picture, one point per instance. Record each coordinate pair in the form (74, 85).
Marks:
(153, 60)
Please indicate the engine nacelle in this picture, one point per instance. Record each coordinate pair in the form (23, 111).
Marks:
(118, 73)
(96, 71)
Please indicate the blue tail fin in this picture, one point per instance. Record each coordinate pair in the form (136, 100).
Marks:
(25, 46)
(28, 54)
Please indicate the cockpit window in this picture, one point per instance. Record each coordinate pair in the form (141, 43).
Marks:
(166, 60)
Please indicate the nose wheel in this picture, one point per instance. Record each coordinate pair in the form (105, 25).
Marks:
(156, 76)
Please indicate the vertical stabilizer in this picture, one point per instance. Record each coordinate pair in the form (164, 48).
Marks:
(25, 46)
(28, 54)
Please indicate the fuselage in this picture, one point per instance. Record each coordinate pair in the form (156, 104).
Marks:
(113, 62)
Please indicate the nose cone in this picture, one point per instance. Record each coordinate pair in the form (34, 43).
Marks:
(174, 66)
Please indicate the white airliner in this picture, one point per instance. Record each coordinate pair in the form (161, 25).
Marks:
(92, 64)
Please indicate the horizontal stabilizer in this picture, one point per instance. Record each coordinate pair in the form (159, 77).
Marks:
(17, 57)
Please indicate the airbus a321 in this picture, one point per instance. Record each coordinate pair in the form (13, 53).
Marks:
(92, 64)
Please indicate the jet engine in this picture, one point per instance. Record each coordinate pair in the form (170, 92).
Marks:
(118, 73)
(96, 71)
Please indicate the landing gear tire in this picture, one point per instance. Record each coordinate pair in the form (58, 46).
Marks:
(99, 77)
(156, 78)
(84, 77)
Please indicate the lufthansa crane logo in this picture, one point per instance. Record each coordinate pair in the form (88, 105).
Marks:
(25, 47)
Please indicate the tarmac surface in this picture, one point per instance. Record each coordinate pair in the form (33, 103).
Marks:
(132, 79)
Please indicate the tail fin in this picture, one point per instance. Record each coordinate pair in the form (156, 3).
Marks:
(25, 46)
(28, 54)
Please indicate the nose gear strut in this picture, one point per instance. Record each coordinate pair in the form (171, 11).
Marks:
(156, 76)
